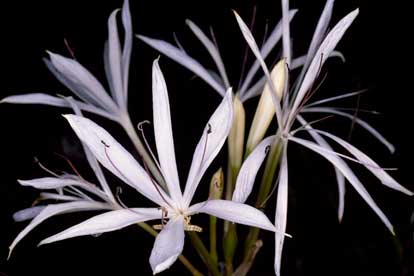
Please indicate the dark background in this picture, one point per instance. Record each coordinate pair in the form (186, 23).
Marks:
(378, 58)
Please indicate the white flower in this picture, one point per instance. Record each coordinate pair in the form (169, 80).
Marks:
(92, 94)
(288, 111)
(173, 205)
(71, 191)
(219, 81)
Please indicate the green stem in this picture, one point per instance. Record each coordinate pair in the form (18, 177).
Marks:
(265, 187)
(229, 247)
(149, 162)
(203, 252)
(213, 239)
(231, 178)
(230, 239)
(182, 258)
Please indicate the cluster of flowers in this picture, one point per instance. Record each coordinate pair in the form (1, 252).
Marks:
(157, 178)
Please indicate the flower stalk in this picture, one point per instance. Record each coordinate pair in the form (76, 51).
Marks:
(203, 253)
(264, 190)
(235, 157)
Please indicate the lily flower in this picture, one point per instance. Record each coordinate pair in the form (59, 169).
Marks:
(219, 80)
(92, 95)
(249, 85)
(74, 194)
(174, 207)
(289, 110)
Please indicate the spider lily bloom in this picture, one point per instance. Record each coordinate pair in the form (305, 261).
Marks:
(92, 94)
(289, 110)
(174, 205)
(219, 81)
(74, 194)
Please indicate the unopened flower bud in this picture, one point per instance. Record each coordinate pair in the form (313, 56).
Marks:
(217, 185)
(266, 109)
(236, 136)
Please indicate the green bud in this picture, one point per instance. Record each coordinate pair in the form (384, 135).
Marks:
(266, 109)
(217, 185)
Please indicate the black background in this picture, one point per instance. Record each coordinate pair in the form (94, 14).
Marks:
(378, 57)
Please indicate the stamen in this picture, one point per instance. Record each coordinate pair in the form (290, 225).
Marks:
(265, 32)
(70, 49)
(293, 132)
(354, 118)
(44, 168)
(126, 178)
(158, 227)
(178, 42)
(193, 228)
(310, 91)
(70, 165)
(262, 205)
(141, 129)
(164, 217)
(209, 131)
(369, 111)
(118, 198)
(190, 227)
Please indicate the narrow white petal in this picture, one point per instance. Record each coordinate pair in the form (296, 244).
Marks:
(286, 32)
(126, 51)
(27, 213)
(50, 182)
(327, 46)
(163, 132)
(340, 179)
(255, 49)
(168, 245)
(80, 81)
(40, 98)
(106, 222)
(358, 121)
(114, 58)
(212, 50)
(320, 31)
(115, 158)
(335, 98)
(249, 169)
(235, 212)
(45, 183)
(268, 46)
(281, 211)
(185, 60)
(370, 164)
(212, 140)
(53, 210)
(107, 67)
(91, 158)
(349, 175)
